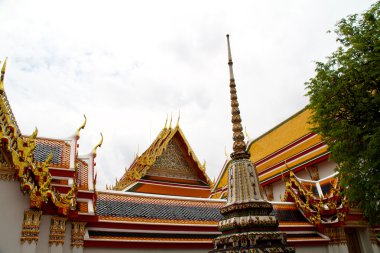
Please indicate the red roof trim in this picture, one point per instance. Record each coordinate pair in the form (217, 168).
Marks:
(304, 152)
(283, 149)
(153, 226)
(277, 177)
(148, 245)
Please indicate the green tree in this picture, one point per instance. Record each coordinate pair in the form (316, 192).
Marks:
(344, 97)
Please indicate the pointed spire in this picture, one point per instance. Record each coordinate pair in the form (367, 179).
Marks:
(34, 134)
(171, 118)
(179, 117)
(77, 134)
(98, 145)
(239, 145)
(166, 121)
(246, 134)
(2, 75)
(3, 70)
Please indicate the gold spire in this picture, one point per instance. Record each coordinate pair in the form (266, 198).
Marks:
(246, 133)
(2, 75)
(179, 117)
(166, 121)
(98, 145)
(81, 127)
(239, 146)
(34, 134)
(3, 69)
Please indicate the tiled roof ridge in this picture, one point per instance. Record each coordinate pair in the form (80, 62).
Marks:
(50, 138)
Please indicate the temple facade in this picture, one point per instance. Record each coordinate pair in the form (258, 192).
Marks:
(165, 200)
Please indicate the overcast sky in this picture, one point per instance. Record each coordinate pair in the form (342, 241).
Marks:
(128, 64)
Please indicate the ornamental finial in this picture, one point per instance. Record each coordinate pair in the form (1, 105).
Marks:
(246, 133)
(166, 121)
(239, 146)
(77, 134)
(98, 145)
(2, 75)
(3, 69)
(179, 117)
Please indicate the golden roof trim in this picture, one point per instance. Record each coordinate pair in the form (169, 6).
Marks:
(35, 178)
(142, 164)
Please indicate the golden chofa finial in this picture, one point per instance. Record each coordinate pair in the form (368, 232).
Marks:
(246, 133)
(171, 118)
(2, 75)
(98, 145)
(138, 150)
(34, 134)
(166, 122)
(239, 145)
(77, 133)
(179, 117)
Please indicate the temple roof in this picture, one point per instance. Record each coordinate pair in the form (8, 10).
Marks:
(126, 218)
(148, 208)
(168, 160)
(289, 146)
(60, 150)
(281, 135)
(138, 207)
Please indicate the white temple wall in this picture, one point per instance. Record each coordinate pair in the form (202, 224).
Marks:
(312, 249)
(303, 174)
(365, 243)
(375, 248)
(43, 238)
(12, 206)
(67, 245)
(326, 168)
(338, 248)
(278, 190)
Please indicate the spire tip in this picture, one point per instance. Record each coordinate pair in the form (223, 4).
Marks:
(239, 146)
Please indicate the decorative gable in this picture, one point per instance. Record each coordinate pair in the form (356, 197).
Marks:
(168, 160)
(173, 163)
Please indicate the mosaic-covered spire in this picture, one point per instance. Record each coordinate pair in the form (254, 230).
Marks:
(247, 224)
(239, 146)
(2, 75)
(3, 69)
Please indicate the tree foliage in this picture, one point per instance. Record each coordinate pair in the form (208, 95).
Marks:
(344, 97)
